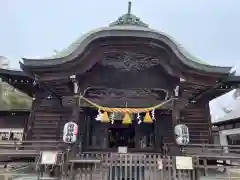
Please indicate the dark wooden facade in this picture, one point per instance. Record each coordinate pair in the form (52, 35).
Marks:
(13, 124)
(124, 64)
(13, 118)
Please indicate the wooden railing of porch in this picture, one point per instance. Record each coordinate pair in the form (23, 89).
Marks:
(206, 158)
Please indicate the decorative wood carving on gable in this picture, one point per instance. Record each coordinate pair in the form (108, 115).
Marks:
(128, 77)
(127, 97)
(110, 77)
(130, 60)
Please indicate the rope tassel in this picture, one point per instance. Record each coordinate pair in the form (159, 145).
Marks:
(147, 118)
(105, 118)
(127, 119)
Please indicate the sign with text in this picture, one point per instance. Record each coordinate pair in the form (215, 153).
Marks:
(49, 157)
(184, 163)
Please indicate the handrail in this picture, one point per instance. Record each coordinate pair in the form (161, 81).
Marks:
(24, 142)
(21, 146)
(204, 145)
(210, 145)
(205, 149)
(33, 145)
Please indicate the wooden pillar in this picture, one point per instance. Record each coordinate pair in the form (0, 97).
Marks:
(175, 120)
(175, 107)
(175, 113)
(30, 121)
(82, 120)
(137, 136)
(84, 134)
(1, 92)
(207, 109)
(75, 113)
(157, 131)
(61, 119)
(28, 126)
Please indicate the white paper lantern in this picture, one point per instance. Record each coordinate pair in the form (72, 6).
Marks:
(70, 132)
(182, 133)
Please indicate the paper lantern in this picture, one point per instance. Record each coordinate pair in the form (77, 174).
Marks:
(70, 132)
(182, 133)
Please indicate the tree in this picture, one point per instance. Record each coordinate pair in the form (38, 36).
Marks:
(17, 102)
(11, 98)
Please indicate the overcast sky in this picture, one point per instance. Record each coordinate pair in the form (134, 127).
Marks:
(208, 29)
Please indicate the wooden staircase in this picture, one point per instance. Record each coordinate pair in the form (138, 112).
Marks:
(198, 122)
(49, 118)
(46, 126)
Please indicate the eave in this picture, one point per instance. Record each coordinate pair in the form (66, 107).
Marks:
(225, 122)
(207, 93)
(222, 87)
(16, 111)
(18, 79)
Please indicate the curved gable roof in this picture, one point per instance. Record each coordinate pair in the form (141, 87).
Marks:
(127, 25)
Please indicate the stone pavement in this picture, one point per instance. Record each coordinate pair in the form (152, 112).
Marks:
(232, 174)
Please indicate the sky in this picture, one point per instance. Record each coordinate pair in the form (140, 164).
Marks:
(208, 29)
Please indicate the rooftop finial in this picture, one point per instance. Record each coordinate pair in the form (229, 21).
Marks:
(129, 19)
(129, 7)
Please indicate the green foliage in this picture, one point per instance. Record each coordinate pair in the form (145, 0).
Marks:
(11, 98)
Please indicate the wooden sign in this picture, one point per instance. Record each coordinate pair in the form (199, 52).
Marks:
(49, 157)
(122, 149)
(184, 163)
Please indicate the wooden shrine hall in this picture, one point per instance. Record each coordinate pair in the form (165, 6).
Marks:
(123, 85)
